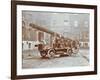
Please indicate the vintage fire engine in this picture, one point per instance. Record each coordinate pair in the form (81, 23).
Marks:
(60, 46)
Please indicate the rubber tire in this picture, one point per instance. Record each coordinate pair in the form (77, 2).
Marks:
(75, 51)
(43, 54)
(69, 52)
(51, 53)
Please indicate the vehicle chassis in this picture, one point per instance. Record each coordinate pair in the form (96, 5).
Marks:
(53, 52)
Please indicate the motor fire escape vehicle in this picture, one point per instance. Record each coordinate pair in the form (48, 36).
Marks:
(59, 45)
(65, 48)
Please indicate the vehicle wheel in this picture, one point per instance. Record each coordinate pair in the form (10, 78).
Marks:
(69, 52)
(43, 54)
(75, 51)
(51, 53)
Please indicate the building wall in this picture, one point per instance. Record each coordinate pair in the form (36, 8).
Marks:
(71, 25)
(29, 45)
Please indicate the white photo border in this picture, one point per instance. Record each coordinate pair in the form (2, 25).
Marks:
(21, 71)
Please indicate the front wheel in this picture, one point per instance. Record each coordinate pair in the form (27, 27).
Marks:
(43, 54)
(51, 53)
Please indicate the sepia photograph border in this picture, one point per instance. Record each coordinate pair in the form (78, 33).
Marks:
(14, 39)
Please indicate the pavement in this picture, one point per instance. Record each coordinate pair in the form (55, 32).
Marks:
(32, 59)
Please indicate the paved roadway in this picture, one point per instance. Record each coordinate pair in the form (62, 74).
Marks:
(32, 59)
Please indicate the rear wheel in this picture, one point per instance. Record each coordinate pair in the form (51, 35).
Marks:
(75, 50)
(69, 52)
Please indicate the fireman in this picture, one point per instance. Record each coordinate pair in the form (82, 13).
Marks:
(62, 44)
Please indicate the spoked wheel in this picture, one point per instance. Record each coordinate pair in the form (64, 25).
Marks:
(69, 52)
(75, 50)
(51, 53)
(43, 54)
